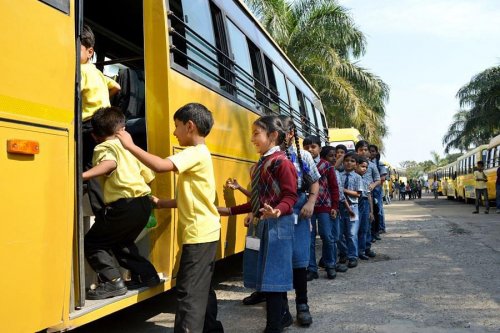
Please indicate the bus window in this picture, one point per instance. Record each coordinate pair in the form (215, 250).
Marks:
(259, 76)
(303, 115)
(226, 77)
(243, 67)
(312, 117)
(294, 107)
(282, 91)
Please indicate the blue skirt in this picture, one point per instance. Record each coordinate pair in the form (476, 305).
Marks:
(270, 268)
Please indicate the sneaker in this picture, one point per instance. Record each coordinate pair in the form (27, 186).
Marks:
(342, 259)
(475, 212)
(370, 253)
(321, 263)
(304, 317)
(363, 257)
(352, 263)
(377, 237)
(254, 298)
(312, 275)
(341, 268)
(381, 232)
(107, 289)
(137, 282)
(286, 320)
(486, 212)
(498, 211)
(331, 273)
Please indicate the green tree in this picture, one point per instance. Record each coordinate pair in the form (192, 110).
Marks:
(479, 117)
(321, 39)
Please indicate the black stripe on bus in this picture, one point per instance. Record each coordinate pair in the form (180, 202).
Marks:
(21, 122)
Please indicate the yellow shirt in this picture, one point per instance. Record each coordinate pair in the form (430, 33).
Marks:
(480, 184)
(129, 179)
(199, 221)
(95, 90)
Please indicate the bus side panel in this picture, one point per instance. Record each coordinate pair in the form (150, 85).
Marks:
(36, 205)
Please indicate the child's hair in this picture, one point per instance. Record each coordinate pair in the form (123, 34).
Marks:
(352, 155)
(361, 144)
(480, 163)
(312, 139)
(198, 114)
(374, 147)
(106, 121)
(87, 38)
(343, 147)
(325, 151)
(362, 159)
(272, 124)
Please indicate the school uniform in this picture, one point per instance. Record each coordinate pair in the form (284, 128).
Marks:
(349, 226)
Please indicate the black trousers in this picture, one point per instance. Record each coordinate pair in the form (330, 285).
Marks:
(113, 236)
(196, 300)
(93, 187)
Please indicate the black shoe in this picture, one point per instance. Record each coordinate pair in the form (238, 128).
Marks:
(304, 317)
(312, 275)
(107, 289)
(341, 268)
(373, 240)
(363, 257)
(286, 320)
(331, 273)
(377, 237)
(486, 211)
(254, 298)
(381, 232)
(342, 260)
(352, 263)
(370, 253)
(137, 282)
(321, 263)
(475, 212)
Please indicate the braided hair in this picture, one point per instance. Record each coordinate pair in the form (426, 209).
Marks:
(289, 126)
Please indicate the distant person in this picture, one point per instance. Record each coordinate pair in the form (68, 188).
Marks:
(402, 190)
(340, 151)
(435, 187)
(481, 189)
(498, 190)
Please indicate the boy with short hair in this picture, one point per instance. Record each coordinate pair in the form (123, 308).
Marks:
(481, 188)
(325, 212)
(199, 221)
(349, 221)
(126, 212)
(365, 212)
(340, 151)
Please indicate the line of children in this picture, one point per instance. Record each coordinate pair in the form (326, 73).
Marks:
(326, 209)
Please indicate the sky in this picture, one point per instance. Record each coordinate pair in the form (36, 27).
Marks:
(425, 50)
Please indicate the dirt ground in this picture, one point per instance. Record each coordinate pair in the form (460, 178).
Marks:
(437, 270)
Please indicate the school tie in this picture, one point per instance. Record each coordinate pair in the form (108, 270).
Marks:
(346, 181)
(254, 198)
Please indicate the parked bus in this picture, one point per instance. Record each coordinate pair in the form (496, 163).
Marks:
(212, 52)
(491, 163)
(345, 136)
(449, 180)
(466, 164)
(436, 175)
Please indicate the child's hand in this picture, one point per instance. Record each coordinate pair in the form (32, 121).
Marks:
(269, 212)
(125, 138)
(372, 217)
(223, 211)
(248, 219)
(351, 212)
(333, 213)
(307, 210)
(154, 201)
(232, 183)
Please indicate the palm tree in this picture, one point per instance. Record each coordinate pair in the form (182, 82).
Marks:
(320, 38)
(479, 118)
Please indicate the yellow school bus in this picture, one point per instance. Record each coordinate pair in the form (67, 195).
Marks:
(491, 164)
(449, 180)
(466, 164)
(172, 53)
(345, 136)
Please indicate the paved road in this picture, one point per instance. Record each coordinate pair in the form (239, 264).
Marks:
(437, 270)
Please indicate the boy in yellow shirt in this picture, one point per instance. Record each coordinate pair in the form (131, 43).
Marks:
(96, 90)
(481, 187)
(127, 209)
(199, 221)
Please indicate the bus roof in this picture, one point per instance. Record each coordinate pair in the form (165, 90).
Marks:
(494, 142)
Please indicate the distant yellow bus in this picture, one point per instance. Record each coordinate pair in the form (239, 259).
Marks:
(345, 136)
(491, 163)
(210, 52)
(449, 180)
(466, 164)
(436, 175)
